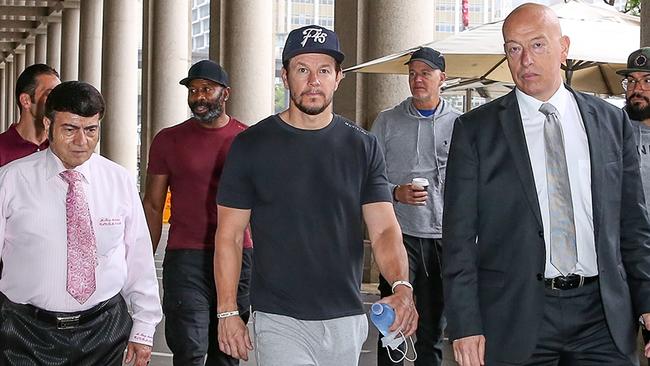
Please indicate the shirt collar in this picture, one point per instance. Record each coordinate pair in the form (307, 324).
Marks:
(529, 106)
(54, 166)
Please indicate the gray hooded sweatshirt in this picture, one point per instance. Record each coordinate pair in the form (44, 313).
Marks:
(417, 147)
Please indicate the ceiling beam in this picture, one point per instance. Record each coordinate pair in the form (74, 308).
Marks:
(19, 24)
(24, 11)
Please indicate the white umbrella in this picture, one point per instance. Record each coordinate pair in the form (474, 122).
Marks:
(601, 39)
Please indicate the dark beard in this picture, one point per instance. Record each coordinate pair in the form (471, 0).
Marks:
(637, 113)
(310, 111)
(215, 109)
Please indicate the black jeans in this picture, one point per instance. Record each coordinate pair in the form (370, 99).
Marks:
(190, 306)
(28, 341)
(425, 275)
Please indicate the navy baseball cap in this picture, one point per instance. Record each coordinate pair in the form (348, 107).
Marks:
(312, 39)
(208, 70)
(430, 57)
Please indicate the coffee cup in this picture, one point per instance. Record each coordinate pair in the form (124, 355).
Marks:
(421, 184)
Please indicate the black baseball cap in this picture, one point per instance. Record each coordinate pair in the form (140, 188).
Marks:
(312, 39)
(430, 57)
(208, 70)
(638, 61)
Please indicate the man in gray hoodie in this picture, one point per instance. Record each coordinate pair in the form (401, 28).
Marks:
(414, 137)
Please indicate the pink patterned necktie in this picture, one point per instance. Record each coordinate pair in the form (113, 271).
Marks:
(82, 248)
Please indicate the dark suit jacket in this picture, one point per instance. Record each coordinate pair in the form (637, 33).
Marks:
(493, 246)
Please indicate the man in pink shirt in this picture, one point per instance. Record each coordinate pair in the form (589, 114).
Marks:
(76, 249)
(28, 135)
(188, 159)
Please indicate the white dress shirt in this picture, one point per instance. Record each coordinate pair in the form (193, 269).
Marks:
(33, 239)
(576, 148)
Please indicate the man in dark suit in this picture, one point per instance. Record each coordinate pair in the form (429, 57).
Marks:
(546, 250)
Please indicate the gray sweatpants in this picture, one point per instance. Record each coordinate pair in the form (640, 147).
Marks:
(285, 341)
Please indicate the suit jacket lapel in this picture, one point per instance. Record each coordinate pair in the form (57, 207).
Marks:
(513, 130)
(594, 138)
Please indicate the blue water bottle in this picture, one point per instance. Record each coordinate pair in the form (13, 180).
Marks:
(383, 316)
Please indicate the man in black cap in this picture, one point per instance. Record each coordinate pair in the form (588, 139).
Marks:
(414, 137)
(637, 105)
(188, 159)
(306, 178)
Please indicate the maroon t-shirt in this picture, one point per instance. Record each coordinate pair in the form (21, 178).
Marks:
(193, 157)
(13, 146)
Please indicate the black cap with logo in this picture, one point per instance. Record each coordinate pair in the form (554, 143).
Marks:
(312, 39)
(430, 57)
(638, 61)
(208, 70)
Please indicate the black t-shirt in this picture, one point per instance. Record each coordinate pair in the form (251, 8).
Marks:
(305, 189)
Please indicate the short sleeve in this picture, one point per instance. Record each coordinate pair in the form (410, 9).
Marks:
(376, 188)
(236, 189)
(157, 161)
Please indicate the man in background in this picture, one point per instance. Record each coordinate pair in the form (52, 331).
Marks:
(636, 84)
(414, 137)
(28, 135)
(188, 159)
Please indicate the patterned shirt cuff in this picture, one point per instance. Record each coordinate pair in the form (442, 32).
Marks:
(142, 333)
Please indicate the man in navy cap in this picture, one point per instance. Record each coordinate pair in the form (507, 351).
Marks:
(188, 159)
(305, 178)
(414, 137)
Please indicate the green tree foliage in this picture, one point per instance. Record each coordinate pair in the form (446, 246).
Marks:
(632, 6)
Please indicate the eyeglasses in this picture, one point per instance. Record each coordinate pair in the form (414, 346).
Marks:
(631, 83)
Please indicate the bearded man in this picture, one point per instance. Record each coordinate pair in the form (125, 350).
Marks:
(188, 159)
(636, 83)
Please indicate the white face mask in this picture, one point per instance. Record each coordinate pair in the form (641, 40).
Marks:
(392, 342)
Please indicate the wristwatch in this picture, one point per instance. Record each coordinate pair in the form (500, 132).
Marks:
(400, 282)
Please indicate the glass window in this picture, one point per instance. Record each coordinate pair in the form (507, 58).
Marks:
(196, 29)
(445, 28)
(204, 12)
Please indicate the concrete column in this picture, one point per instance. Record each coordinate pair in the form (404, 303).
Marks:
(70, 44)
(396, 25)
(119, 141)
(171, 58)
(10, 90)
(350, 19)
(645, 26)
(248, 58)
(3, 97)
(169, 53)
(19, 63)
(145, 105)
(54, 44)
(90, 42)
(30, 55)
(19, 66)
(216, 30)
(40, 45)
